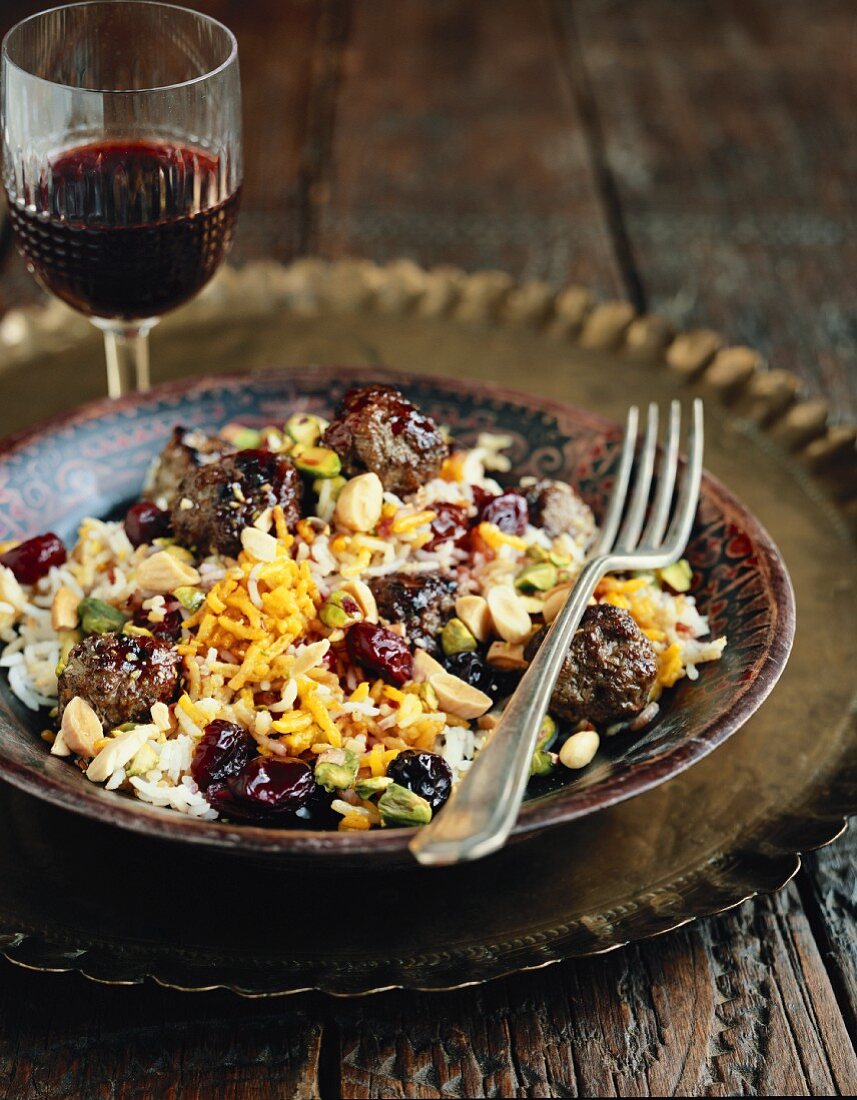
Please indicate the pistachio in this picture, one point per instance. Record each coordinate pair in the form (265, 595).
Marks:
(118, 751)
(191, 599)
(336, 770)
(506, 656)
(511, 619)
(677, 576)
(81, 727)
(259, 544)
(428, 695)
(163, 572)
(244, 439)
(68, 639)
(144, 760)
(64, 609)
(98, 617)
(456, 638)
(554, 602)
(305, 428)
(359, 504)
(561, 561)
(579, 749)
(365, 788)
(318, 462)
(544, 762)
(457, 697)
(474, 613)
(537, 553)
(340, 610)
(399, 806)
(365, 598)
(425, 666)
(538, 577)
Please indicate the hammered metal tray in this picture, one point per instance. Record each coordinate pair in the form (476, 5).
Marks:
(120, 908)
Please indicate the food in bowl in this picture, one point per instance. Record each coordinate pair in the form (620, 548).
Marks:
(316, 625)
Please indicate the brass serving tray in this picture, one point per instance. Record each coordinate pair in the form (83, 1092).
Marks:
(120, 908)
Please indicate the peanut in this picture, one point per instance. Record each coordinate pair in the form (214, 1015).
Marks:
(81, 727)
(163, 572)
(359, 504)
(511, 619)
(64, 609)
(457, 697)
(579, 749)
(476, 616)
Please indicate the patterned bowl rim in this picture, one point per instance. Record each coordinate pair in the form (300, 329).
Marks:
(560, 806)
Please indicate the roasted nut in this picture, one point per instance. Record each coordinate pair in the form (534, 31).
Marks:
(474, 613)
(309, 657)
(456, 638)
(425, 666)
(259, 544)
(399, 806)
(118, 751)
(359, 504)
(81, 727)
(340, 610)
(579, 749)
(554, 602)
(365, 598)
(163, 572)
(457, 697)
(511, 619)
(538, 577)
(365, 788)
(59, 747)
(506, 656)
(336, 770)
(64, 609)
(98, 617)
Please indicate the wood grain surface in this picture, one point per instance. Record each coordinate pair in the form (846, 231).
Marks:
(698, 159)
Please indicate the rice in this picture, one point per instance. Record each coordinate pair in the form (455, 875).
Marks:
(257, 634)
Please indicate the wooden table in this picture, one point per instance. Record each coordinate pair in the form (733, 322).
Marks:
(698, 159)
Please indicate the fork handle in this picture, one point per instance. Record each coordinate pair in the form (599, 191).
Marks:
(483, 808)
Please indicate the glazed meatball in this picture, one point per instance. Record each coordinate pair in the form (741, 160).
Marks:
(121, 676)
(421, 601)
(214, 503)
(555, 507)
(185, 452)
(378, 429)
(609, 671)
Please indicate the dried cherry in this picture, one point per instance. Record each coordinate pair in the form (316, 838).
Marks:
(145, 522)
(31, 560)
(379, 650)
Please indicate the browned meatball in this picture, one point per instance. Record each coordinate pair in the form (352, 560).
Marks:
(378, 429)
(186, 451)
(214, 503)
(421, 601)
(557, 509)
(609, 671)
(121, 676)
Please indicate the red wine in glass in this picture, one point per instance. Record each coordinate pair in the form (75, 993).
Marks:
(127, 229)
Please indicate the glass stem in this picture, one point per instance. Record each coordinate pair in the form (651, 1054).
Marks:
(127, 349)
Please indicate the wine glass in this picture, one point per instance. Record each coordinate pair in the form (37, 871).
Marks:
(122, 161)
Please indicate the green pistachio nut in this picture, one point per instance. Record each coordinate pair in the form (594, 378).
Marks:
(190, 598)
(544, 762)
(537, 553)
(340, 610)
(305, 428)
(399, 806)
(68, 639)
(366, 788)
(318, 462)
(538, 577)
(98, 617)
(677, 576)
(247, 439)
(456, 638)
(145, 759)
(547, 733)
(336, 770)
(428, 695)
(559, 560)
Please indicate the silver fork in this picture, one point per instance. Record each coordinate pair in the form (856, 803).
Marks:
(484, 807)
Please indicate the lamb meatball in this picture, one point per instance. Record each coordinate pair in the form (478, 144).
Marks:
(378, 429)
(214, 503)
(185, 452)
(609, 670)
(421, 601)
(121, 676)
(555, 507)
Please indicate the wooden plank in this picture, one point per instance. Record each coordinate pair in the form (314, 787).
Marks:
(457, 142)
(736, 1004)
(61, 1035)
(829, 891)
(728, 136)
